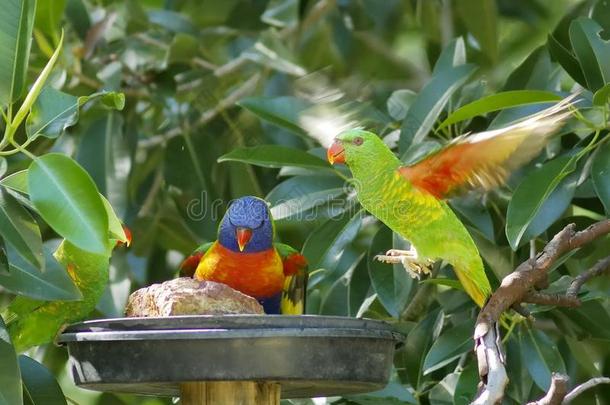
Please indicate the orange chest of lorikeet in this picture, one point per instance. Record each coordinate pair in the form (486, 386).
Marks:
(257, 274)
(245, 258)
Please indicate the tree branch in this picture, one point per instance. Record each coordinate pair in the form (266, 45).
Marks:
(583, 387)
(557, 391)
(519, 287)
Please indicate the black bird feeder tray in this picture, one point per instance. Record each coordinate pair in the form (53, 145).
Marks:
(303, 356)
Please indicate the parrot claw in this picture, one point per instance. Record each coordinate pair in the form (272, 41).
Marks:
(409, 260)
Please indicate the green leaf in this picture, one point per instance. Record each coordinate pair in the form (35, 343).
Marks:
(54, 111)
(104, 154)
(391, 283)
(497, 102)
(115, 227)
(19, 229)
(275, 156)
(450, 345)
(292, 197)
(466, 387)
(17, 181)
(430, 102)
(567, 61)
(600, 174)
(326, 243)
(67, 199)
(358, 287)
(48, 17)
(481, 19)
(172, 21)
(10, 380)
(476, 213)
(281, 111)
(399, 102)
(540, 356)
(416, 346)
(39, 385)
(600, 97)
(530, 195)
(52, 284)
(16, 24)
(454, 54)
(281, 13)
(592, 52)
(35, 90)
(392, 394)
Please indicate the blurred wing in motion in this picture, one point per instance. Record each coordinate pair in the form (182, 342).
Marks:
(486, 159)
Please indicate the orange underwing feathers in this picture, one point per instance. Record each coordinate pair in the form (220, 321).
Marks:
(486, 159)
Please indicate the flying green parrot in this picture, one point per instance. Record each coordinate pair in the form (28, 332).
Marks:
(410, 199)
(33, 322)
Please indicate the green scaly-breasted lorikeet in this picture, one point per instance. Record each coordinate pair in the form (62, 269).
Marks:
(245, 258)
(32, 322)
(410, 199)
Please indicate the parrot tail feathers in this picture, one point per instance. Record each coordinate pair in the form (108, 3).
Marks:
(475, 282)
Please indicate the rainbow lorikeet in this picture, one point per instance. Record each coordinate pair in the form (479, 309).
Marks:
(245, 258)
(410, 199)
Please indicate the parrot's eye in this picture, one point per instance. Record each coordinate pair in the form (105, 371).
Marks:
(358, 141)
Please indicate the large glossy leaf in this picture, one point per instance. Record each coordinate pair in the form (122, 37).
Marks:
(325, 244)
(275, 156)
(295, 196)
(392, 394)
(104, 154)
(592, 52)
(531, 194)
(451, 344)
(19, 229)
(39, 385)
(52, 284)
(566, 59)
(497, 102)
(358, 287)
(67, 199)
(391, 283)
(454, 54)
(281, 111)
(16, 23)
(540, 356)
(416, 346)
(430, 102)
(600, 174)
(10, 379)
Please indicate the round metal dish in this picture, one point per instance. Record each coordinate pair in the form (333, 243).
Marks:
(308, 355)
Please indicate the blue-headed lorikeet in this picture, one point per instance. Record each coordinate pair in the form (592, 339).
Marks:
(245, 258)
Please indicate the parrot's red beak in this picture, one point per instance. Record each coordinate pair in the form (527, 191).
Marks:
(336, 153)
(243, 237)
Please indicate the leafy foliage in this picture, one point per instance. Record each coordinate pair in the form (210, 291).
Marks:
(157, 114)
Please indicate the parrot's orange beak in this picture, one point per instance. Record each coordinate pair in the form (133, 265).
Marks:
(243, 237)
(336, 153)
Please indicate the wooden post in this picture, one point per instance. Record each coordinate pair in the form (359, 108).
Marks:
(230, 393)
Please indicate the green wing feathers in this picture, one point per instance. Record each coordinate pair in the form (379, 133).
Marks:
(295, 285)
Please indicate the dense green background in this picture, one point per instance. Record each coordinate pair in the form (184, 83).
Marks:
(203, 79)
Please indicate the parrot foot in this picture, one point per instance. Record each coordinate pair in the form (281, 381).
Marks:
(409, 260)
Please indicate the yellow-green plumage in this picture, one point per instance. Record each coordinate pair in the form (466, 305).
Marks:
(32, 322)
(425, 221)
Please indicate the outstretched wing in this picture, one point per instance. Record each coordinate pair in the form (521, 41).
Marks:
(295, 285)
(189, 265)
(486, 159)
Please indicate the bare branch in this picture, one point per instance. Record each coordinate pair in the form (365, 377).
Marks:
(516, 285)
(557, 391)
(583, 387)
(491, 365)
(540, 298)
(601, 267)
